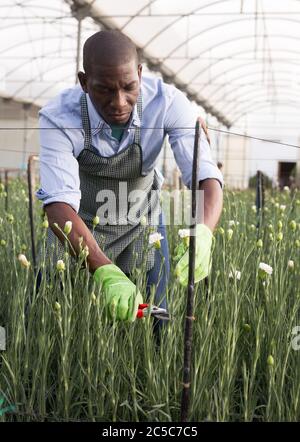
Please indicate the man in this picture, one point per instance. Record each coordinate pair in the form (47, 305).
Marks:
(106, 134)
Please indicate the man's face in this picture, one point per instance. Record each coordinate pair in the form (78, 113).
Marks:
(113, 90)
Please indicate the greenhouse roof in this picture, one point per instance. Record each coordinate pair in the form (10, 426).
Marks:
(238, 59)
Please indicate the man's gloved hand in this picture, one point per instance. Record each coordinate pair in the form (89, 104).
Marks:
(204, 240)
(121, 296)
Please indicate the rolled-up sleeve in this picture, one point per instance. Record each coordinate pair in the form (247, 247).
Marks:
(59, 171)
(180, 127)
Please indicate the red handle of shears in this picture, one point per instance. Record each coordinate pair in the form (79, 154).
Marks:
(140, 312)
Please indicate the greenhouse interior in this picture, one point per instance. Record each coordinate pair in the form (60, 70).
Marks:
(185, 307)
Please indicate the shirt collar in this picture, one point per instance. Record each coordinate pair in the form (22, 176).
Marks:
(97, 123)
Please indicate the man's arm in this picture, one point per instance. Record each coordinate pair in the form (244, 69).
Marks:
(60, 213)
(180, 126)
(213, 202)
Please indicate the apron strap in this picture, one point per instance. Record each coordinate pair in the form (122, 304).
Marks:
(137, 133)
(85, 122)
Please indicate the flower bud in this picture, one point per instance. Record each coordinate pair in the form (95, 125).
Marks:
(23, 260)
(68, 227)
(291, 264)
(279, 224)
(229, 234)
(3, 242)
(84, 252)
(270, 361)
(45, 224)
(96, 221)
(293, 225)
(280, 236)
(94, 299)
(259, 244)
(57, 306)
(10, 218)
(246, 328)
(60, 265)
(80, 241)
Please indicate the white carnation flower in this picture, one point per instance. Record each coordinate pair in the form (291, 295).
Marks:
(155, 237)
(236, 274)
(265, 268)
(183, 233)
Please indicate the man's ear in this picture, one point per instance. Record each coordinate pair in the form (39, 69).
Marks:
(140, 68)
(82, 81)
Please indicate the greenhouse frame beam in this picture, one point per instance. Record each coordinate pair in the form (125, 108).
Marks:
(257, 72)
(233, 69)
(26, 83)
(178, 18)
(232, 57)
(167, 74)
(256, 93)
(261, 105)
(237, 104)
(229, 95)
(220, 25)
(224, 42)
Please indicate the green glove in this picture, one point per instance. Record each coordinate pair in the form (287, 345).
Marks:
(204, 239)
(121, 296)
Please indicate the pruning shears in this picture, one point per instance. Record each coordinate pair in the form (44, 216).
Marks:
(145, 310)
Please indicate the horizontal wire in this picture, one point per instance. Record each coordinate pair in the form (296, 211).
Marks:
(266, 140)
(154, 15)
(169, 157)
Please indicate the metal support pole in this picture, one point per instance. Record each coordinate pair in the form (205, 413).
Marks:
(188, 332)
(78, 49)
(260, 199)
(26, 108)
(31, 187)
(6, 188)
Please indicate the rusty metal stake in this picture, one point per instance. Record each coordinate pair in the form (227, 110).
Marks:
(31, 187)
(188, 332)
(260, 200)
(6, 189)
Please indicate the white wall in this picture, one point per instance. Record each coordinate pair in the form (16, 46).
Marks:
(16, 143)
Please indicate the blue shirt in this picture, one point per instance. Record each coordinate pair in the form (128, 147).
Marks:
(166, 110)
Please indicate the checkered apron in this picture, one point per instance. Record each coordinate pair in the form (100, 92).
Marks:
(102, 177)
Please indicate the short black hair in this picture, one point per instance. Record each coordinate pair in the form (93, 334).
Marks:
(109, 47)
